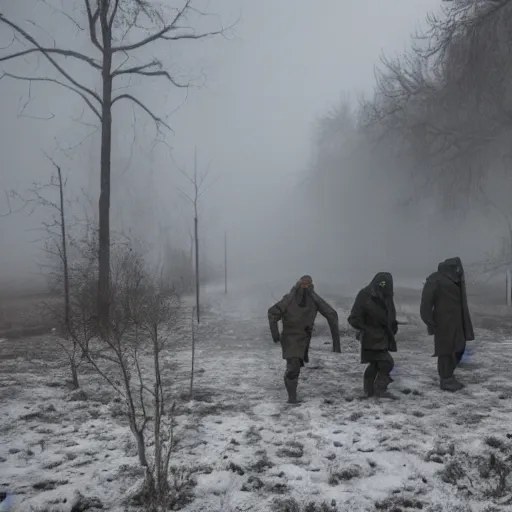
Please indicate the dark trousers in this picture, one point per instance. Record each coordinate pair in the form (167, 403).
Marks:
(446, 366)
(377, 374)
(293, 366)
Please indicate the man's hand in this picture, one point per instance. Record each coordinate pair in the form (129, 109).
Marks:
(431, 330)
(277, 339)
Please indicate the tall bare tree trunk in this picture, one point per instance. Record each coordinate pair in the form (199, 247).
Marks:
(74, 371)
(104, 202)
(141, 447)
(64, 249)
(65, 269)
(159, 409)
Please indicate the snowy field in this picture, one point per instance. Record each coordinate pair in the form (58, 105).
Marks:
(242, 448)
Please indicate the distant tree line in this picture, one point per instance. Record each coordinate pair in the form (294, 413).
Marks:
(438, 126)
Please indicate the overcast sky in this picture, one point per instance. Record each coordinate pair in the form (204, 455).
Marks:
(285, 64)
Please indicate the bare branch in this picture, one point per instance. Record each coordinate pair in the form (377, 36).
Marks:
(157, 35)
(22, 107)
(10, 210)
(49, 51)
(158, 121)
(186, 196)
(92, 17)
(66, 15)
(165, 32)
(55, 81)
(42, 50)
(143, 69)
(208, 186)
(113, 14)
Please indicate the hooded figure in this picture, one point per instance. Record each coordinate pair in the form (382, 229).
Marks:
(374, 316)
(298, 310)
(444, 309)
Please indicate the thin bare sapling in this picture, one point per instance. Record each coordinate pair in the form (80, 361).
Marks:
(51, 198)
(132, 358)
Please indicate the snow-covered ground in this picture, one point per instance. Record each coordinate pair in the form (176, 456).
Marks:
(242, 448)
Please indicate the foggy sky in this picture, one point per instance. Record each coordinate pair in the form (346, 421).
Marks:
(285, 64)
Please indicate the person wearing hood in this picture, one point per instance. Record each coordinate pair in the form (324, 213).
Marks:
(444, 310)
(374, 316)
(297, 310)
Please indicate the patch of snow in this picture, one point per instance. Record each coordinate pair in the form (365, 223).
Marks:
(244, 447)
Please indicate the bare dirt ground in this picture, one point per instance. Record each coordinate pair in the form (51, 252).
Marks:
(243, 448)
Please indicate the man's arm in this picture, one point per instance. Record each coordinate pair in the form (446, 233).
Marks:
(330, 314)
(276, 313)
(427, 304)
(356, 317)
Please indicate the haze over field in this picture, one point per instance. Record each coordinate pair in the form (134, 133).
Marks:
(344, 139)
(264, 87)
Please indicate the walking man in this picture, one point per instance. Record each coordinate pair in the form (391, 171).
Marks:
(444, 310)
(297, 310)
(374, 316)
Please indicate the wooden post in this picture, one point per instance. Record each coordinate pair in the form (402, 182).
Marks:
(225, 262)
(508, 287)
(196, 236)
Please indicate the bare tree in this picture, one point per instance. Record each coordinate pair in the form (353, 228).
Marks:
(56, 247)
(199, 188)
(468, 111)
(143, 313)
(118, 30)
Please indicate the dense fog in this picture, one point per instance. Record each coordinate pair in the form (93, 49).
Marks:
(302, 177)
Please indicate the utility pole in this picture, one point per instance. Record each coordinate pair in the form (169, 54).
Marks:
(225, 262)
(196, 235)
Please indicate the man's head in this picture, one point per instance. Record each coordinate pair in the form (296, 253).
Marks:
(305, 282)
(452, 267)
(382, 283)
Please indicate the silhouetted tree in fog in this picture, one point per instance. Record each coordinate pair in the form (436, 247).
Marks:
(118, 30)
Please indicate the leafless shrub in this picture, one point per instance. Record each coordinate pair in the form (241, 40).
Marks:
(128, 354)
(339, 475)
(496, 472)
(453, 472)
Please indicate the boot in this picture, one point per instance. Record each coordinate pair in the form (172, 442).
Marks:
(291, 388)
(381, 386)
(368, 388)
(369, 376)
(451, 384)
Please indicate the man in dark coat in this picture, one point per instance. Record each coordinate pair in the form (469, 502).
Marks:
(444, 309)
(374, 316)
(298, 310)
